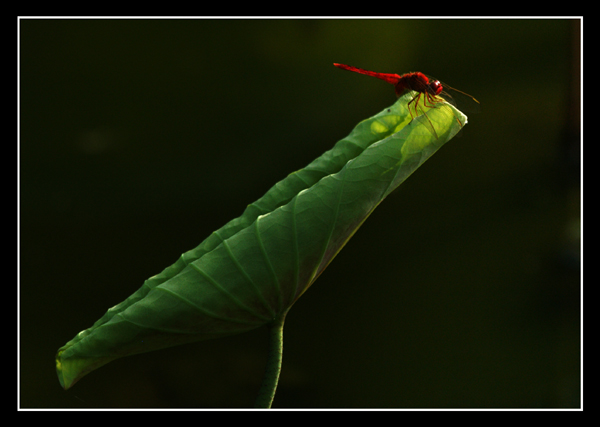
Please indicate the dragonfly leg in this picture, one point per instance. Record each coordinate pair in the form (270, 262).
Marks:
(416, 98)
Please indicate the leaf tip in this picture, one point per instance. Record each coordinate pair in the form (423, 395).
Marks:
(59, 370)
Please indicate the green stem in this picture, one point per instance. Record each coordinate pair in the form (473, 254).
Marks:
(271, 377)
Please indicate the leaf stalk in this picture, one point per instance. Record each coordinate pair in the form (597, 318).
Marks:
(267, 390)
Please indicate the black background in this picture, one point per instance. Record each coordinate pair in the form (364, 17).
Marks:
(138, 138)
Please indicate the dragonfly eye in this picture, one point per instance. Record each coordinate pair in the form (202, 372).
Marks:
(436, 87)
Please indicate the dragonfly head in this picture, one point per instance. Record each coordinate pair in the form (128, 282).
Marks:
(436, 87)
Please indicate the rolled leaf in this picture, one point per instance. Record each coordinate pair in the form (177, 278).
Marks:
(251, 271)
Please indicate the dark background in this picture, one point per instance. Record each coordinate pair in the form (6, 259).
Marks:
(138, 138)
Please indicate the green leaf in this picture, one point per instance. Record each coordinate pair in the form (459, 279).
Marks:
(251, 271)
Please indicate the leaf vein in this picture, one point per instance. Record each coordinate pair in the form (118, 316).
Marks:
(244, 273)
(197, 307)
(269, 264)
(228, 294)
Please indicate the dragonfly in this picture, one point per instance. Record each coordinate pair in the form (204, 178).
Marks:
(433, 92)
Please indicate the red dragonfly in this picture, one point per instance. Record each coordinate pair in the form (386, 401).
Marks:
(432, 90)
